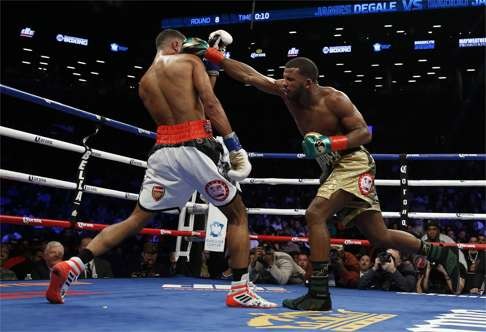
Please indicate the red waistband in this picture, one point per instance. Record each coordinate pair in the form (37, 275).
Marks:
(184, 132)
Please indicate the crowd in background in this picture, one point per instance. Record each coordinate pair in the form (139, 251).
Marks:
(29, 252)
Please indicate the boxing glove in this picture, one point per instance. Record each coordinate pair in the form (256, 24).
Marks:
(200, 47)
(315, 144)
(194, 45)
(240, 164)
(220, 39)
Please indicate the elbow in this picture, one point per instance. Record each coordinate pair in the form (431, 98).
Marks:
(211, 107)
(367, 136)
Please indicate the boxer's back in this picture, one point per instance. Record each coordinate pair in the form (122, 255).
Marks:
(167, 90)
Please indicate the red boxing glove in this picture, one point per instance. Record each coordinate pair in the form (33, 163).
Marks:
(213, 55)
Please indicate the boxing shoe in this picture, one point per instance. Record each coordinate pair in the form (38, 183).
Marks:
(316, 299)
(63, 274)
(243, 295)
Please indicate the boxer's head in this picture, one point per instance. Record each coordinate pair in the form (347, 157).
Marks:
(169, 41)
(300, 74)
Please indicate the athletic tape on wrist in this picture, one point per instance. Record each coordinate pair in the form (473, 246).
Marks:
(232, 142)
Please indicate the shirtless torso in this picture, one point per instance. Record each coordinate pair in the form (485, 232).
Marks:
(168, 90)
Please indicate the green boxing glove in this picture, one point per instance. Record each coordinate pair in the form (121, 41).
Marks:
(315, 144)
(196, 46)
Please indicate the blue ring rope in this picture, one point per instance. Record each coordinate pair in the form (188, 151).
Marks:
(255, 155)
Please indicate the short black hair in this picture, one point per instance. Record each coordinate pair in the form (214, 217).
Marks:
(432, 223)
(306, 67)
(167, 35)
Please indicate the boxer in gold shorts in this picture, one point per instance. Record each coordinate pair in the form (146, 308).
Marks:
(334, 134)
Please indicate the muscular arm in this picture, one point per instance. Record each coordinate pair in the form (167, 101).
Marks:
(212, 107)
(353, 123)
(246, 74)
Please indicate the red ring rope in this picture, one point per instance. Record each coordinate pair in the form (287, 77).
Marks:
(29, 221)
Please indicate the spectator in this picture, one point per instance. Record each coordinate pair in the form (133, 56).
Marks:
(270, 266)
(5, 274)
(53, 253)
(476, 269)
(436, 280)
(364, 264)
(388, 273)
(149, 266)
(97, 267)
(433, 234)
(345, 267)
(18, 260)
(303, 261)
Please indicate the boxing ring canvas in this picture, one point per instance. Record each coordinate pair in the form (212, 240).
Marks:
(189, 304)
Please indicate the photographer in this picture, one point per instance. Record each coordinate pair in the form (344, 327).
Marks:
(433, 278)
(270, 266)
(433, 234)
(389, 273)
(344, 266)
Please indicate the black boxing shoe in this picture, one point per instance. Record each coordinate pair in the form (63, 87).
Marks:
(316, 299)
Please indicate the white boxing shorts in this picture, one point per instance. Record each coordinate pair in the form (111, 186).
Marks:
(173, 173)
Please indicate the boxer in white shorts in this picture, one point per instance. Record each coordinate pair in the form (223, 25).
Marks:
(177, 92)
(168, 185)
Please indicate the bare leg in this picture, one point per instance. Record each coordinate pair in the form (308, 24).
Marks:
(238, 235)
(319, 210)
(114, 234)
(372, 226)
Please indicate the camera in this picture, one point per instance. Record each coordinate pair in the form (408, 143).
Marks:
(268, 249)
(385, 257)
(333, 254)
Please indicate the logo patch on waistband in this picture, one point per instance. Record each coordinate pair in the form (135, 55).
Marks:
(158, 192)
(217, 190)
(365, 183)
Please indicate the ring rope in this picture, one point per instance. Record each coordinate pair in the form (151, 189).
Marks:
(378, 182)
(26, 221)
(50, 182)
(28, 137)
(146, 133)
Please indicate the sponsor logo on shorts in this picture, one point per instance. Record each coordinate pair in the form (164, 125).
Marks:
(365, 183)
(217, 190)
(158, 192)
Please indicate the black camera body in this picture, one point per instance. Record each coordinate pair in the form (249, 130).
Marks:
(333, 254)
(385, 257)
(268, 249)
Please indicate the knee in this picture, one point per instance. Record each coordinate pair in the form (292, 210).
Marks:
(236, 213)
(315, 216)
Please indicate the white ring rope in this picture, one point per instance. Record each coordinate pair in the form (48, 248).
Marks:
(21, 135)
(394, 183)
(201, 208)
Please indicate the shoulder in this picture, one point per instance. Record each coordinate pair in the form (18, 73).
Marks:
(283, 255)
(333, 97)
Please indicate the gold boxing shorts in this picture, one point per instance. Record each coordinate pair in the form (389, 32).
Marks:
(353, 172)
